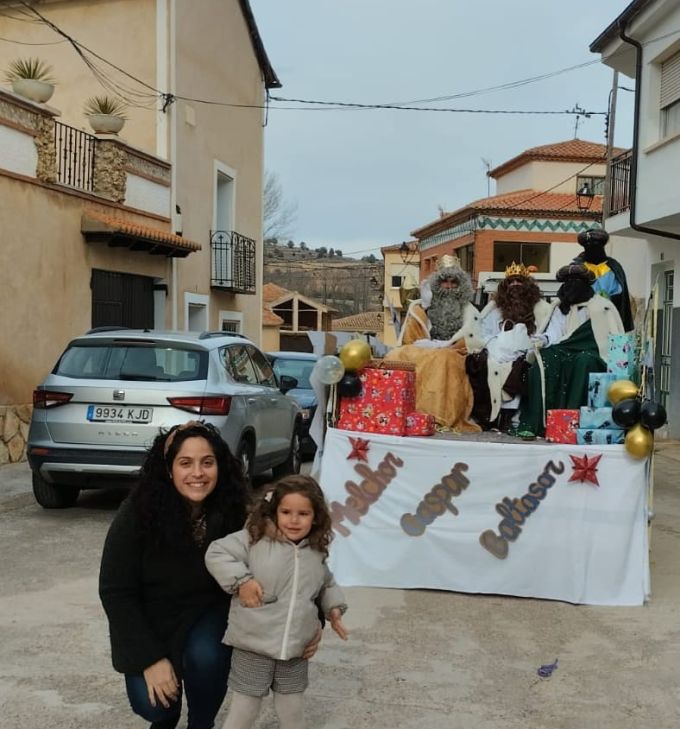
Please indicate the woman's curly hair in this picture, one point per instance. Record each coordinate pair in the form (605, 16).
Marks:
(164, 514)
(264, 513)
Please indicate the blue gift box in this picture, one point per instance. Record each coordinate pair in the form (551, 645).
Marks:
(600, 436)
(595, 418)
(622, 356)
(598, 386)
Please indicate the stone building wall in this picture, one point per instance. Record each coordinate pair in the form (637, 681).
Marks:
(14, 422)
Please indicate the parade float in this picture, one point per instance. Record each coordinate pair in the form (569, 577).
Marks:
(565, 517)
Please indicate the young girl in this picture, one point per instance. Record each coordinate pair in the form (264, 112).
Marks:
(277, 567)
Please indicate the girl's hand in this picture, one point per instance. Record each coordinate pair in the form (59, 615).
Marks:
(313, 646)
(335, 619)
(250, 594)
(161, 682)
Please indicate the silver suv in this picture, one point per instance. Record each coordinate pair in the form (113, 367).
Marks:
(97, 412)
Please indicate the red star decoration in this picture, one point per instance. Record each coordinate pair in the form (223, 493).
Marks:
(359, 449)
(585, 469)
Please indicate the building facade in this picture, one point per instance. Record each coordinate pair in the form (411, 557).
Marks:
(642, 44)
(534, 217)
(160, 226)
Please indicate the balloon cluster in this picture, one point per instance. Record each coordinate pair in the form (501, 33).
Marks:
(340, 370)
(639, 418)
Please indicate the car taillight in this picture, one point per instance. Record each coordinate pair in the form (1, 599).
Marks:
(43, 399)
(202, 405)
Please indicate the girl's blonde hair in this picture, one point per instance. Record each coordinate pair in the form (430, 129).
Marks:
(265, 509)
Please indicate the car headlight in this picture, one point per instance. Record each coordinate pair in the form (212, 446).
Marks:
(306, 413)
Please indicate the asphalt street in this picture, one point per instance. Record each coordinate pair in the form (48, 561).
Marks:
(415, 659)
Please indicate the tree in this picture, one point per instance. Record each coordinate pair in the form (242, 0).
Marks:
(278, 214)
(369, 259)
(331, 253)
(303, 245)
(291, 244)
(338, 253)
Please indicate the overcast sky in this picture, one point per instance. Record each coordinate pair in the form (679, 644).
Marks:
(366, 178)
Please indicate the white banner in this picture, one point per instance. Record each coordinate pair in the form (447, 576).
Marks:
(555, 521)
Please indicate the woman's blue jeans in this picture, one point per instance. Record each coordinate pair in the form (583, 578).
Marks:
(205, 668)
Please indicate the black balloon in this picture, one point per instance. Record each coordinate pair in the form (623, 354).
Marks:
(652, 414)
(626, 413)
(349, 385)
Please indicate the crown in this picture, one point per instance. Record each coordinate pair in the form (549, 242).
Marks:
(517, 269)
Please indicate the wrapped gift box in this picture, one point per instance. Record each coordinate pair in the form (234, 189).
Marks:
(593, 418)
(418, 423)
(598, 386)
(388, 395)
(600, 436)
(561, 425)
(622, 356)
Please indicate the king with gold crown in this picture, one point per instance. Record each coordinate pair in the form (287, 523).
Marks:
(506, 325)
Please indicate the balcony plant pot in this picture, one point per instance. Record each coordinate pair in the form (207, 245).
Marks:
(33, 89)
(106, 123)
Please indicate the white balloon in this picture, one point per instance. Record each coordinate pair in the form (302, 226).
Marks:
(329, 369)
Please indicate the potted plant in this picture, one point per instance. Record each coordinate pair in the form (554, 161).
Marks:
(105, 114)
(30, 78)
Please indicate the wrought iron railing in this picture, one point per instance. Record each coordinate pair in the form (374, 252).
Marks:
(75, 156)
(233, 262)
(619, 191)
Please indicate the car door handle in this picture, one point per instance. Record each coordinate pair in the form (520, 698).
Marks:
(252, 400)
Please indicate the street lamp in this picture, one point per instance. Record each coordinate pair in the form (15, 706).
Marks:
(407, 251)
(584, 198)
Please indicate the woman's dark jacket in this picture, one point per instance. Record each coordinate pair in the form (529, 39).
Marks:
(153, 594)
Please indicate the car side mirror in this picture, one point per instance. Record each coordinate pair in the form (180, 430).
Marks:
(286, 382)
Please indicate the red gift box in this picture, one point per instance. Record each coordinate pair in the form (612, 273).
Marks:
(418, 423)
(388, 395)
(561, 426)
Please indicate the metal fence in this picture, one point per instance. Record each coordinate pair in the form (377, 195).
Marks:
(75, 156)
(233, 261)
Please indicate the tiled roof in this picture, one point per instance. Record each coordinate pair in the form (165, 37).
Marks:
(519, 202)
(369, 321)
(271, 292)
(572, 150)
(270, 319)
(94, 224)
(412, 244)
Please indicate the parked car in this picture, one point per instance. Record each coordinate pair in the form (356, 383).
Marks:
(299, 365)
(110, 392)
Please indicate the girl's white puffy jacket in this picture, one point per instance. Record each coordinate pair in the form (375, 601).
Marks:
(292, 577)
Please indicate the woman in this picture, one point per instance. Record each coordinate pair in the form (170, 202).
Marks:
(166, 614)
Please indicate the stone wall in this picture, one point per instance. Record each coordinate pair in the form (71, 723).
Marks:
(14, 422)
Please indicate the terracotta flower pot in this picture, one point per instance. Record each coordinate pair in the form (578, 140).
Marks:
(106, 123)
(31, 88)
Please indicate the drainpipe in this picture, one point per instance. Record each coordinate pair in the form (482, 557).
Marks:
(636, 132)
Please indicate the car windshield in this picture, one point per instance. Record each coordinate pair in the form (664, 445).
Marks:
(127, 362)
(300, 369)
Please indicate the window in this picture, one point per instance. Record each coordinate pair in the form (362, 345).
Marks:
(595, 184)
(670, 96)
(466, 255)
(530, 254)
(396, 281)
(263, 368)
(237, 363)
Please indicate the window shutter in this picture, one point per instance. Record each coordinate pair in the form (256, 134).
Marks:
(670, 80)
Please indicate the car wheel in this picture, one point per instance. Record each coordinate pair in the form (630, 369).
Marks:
(53, 496)
(294, 460)
(245, 455)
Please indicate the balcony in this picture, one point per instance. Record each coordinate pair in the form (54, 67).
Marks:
(619, 190)
(75, 157)
(233, 262)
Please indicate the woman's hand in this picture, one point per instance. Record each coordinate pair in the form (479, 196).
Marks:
(313, 646)
(161, 682)
(335, 619)
(250, 594)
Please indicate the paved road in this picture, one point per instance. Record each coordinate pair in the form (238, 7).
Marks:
(416, 659)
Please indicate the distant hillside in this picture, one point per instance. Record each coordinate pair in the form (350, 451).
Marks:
(349, 285)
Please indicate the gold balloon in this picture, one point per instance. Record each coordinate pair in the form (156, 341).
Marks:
(639, 441)
(621, 390)
(355, 354)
